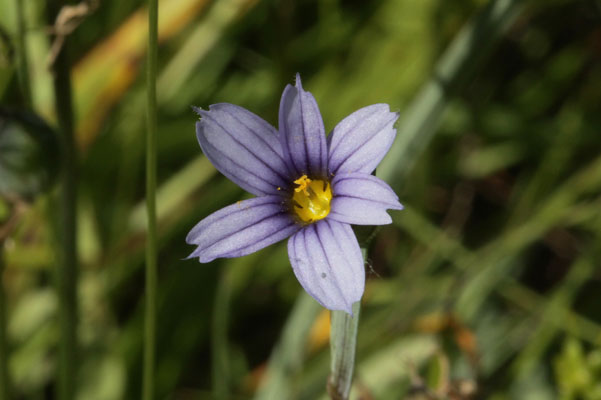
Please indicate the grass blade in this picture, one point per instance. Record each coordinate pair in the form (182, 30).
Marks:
(67, 272)
(420, 120)
(288, 354)
(151, 240)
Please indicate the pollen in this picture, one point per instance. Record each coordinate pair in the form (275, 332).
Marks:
(311, 199)
(302, 183)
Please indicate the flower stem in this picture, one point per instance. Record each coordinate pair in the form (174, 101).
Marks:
(4, 379)
(343, 341)
(151, 245)
(67, 270)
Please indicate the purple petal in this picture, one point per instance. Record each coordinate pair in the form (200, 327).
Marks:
(362, 199)
(327, 262)
(302, 133)
(242, 147)
(241, 229)
(360, 141)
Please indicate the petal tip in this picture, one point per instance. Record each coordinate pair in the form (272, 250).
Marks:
(222, 107)
(201, 112)
(398, 207)
(385, 220)
(298, 83)
(193, 254)
(201, 259)
(197, 253)
(190, 256)
(197, 110)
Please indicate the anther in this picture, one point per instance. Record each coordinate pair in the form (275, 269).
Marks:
(311, 199)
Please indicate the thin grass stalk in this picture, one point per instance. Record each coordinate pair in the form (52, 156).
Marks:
(148, 389)
(4, 374)
(67, 271)
(22, 62)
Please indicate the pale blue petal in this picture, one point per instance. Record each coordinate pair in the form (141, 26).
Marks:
(327, 261)
(360, 141)
(302, 133)
(362, 199)
(241, 229)
(243, 147)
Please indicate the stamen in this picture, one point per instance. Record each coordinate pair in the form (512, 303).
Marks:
(311, 199)
(302, 183)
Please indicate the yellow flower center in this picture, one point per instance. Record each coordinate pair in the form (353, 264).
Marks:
(311, 199)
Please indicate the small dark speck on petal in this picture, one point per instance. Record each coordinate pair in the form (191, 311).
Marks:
(323, 275)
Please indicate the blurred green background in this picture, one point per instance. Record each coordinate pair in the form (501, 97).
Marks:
(486, 286)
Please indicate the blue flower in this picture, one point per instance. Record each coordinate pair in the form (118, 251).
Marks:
(309, 189)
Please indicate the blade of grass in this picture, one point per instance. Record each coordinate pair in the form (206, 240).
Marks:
(564, 318)
(231, 282)
(148, 392)
(175, 192)
(107, 71)
(420, 120)
(569, 128)
(288, 353)
(487, 266)
(67, 272)
(392, 363)
(561, 299)
(200, 41)
(556, 211)
(448, 248)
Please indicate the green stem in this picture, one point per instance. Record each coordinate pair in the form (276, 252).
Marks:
(67, 271)
(23, 64)
(343, 342)
(4, 377)
(151, 245)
